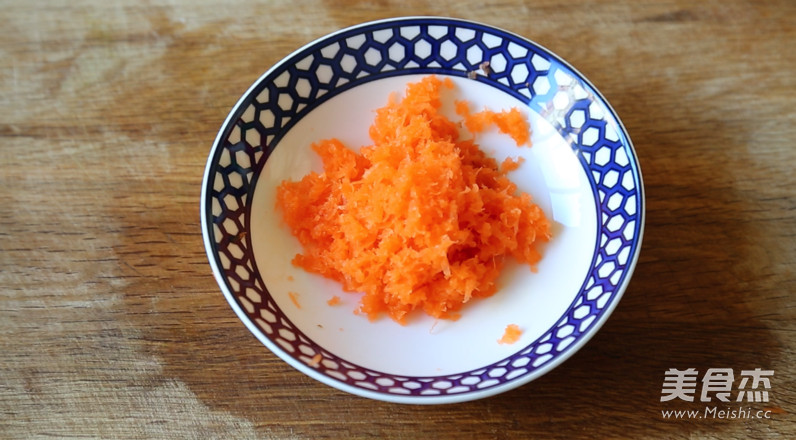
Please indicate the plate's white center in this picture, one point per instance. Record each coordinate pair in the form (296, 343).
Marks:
(551, 174)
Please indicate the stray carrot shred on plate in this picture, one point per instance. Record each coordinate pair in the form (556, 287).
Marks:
(294, 297)
(420, 219)
(316, 360)
(511, 334)
(510, 122)
(511, 164)
(333, 301)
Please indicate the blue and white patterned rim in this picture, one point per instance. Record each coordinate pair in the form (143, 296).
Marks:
(422, 45)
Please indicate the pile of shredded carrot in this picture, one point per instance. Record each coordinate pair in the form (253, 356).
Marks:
(421, 219)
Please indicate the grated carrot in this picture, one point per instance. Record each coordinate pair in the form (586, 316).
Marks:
(316, 360)
(511, 164)
(511, 334)
(420, 219)
(510, 122)
(295, 298)
(333, 301)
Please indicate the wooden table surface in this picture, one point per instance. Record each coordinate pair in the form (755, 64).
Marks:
(112, 326)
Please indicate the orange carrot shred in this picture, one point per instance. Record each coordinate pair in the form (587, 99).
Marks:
(333, 301)
(316, 360)
(294, 297)
(511, 334)
(420, 220)
(511, 164)
(510, 122)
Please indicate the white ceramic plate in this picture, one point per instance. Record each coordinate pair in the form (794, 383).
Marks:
(582, 171)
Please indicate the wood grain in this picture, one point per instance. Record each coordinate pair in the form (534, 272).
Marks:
(111, 325)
